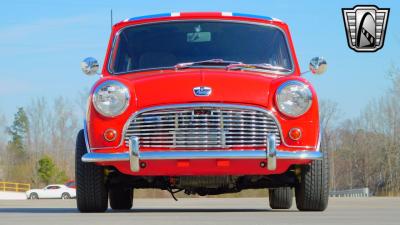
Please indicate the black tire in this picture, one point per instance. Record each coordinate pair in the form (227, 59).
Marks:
(33, 196)
(121, 198)
(65, 196)
(312, 192)
(280, 198)
(91, 190)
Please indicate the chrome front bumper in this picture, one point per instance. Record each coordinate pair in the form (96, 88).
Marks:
(134, 155)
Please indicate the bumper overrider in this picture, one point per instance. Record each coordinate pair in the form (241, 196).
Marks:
(134, 156)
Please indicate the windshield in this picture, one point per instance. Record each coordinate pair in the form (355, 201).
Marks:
(163, 45)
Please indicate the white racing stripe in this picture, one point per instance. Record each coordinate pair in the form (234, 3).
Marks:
(226, 13)
(175, 14)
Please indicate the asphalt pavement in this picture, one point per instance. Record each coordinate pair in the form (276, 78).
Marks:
(212, 211)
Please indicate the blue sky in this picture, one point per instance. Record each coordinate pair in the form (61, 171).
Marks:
(43, 42)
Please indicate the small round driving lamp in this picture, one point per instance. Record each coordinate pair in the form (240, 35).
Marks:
(295, 134)
(111, 98)
(293, 98)
(110, 135)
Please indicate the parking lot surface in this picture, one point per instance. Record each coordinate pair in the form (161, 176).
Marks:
(248, 211)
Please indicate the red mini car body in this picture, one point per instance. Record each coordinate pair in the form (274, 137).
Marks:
(206, 103)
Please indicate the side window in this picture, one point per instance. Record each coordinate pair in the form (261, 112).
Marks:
(52, 187)
(122, 58)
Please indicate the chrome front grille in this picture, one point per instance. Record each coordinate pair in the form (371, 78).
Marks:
(202, 126)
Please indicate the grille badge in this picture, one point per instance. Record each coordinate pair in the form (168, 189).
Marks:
(202, 91)
(199, 112)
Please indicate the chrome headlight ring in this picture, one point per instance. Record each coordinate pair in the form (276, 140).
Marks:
(293, 98)
(111, 98)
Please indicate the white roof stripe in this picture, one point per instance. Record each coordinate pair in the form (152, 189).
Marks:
(226, 13)
(276, 19)
(174, 14)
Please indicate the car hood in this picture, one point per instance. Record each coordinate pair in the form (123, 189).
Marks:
(177, 87)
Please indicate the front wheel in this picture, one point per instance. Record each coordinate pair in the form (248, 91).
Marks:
(121, 198)
(312, 191)
(280, 198)
(91, 190)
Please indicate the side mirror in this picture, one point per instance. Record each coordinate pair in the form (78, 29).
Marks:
(318, 65)
(89, 66)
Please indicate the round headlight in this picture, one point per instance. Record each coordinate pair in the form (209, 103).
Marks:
(293, 98)
(111, 98)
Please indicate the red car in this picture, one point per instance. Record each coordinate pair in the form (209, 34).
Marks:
(204, 103)
(70, 184)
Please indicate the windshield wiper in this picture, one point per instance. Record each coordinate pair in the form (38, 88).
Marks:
(262, 66)
(210, 62)
(231, 65)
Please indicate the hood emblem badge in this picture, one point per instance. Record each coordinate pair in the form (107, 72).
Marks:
(202, 91)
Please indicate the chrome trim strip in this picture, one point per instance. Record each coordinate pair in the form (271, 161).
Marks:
(271, 152)
(105, 157)
(207, 154)
(319, 142)
(85, 134)
(209, 105)
(134, 154)
(109, 56)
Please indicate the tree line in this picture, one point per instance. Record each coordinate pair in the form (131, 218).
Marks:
(365, 151)
(37, 147)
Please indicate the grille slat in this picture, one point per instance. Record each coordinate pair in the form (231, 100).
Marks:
(201, 108)
(263, 134)
(202, 142)
(144, 139)
(196, 128)
(201, 146)
(197, 116)
(141, 123)
(202, 127)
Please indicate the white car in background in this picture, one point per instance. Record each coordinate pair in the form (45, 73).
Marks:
(52, 191)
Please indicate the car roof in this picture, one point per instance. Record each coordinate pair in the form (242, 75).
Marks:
(204, 15)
